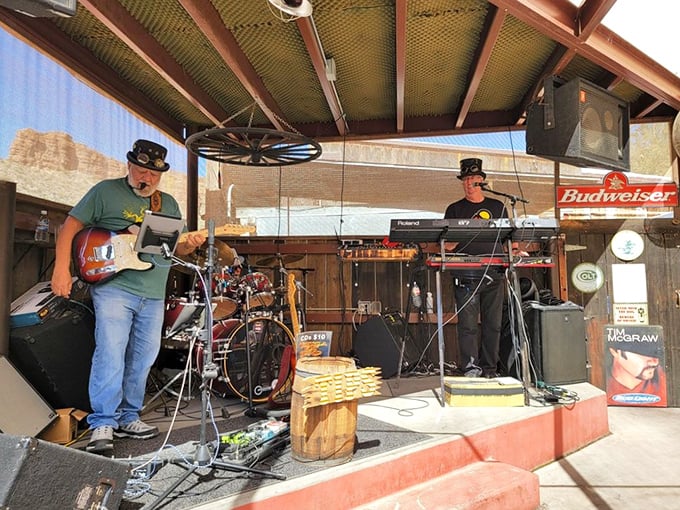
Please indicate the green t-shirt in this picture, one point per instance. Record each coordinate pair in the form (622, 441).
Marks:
(113, 205)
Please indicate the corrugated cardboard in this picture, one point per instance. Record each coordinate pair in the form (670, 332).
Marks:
(64, 429)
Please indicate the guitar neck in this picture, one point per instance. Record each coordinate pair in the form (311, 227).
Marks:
(228, 229)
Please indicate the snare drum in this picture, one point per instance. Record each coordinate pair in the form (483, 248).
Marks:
(261, 294)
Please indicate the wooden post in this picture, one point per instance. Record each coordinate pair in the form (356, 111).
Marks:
(7, 206)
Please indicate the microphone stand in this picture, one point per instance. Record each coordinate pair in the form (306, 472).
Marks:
(514, 281)
(203, 456)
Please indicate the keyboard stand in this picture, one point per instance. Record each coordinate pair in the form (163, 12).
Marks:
(440, 317)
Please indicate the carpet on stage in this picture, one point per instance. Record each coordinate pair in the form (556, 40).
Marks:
(373, 437)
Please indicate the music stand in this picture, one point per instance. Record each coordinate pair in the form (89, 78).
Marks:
(159, 234)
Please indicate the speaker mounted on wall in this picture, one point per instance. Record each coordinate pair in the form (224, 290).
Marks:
(580, 124)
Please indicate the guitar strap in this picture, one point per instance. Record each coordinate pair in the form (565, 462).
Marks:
(156, 201)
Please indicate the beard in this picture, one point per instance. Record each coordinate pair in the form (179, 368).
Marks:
(146, 192)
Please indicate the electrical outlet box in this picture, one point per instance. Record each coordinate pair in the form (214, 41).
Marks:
(362, 306)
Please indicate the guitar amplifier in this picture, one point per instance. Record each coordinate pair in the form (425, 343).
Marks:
(55, 357)
(35, 306)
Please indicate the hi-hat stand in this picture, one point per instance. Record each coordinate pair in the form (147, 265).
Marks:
(203, 457)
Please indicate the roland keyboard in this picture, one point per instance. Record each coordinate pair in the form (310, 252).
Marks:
(479, 261)
(468, 229)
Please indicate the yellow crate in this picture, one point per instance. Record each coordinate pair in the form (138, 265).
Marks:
(480, 392)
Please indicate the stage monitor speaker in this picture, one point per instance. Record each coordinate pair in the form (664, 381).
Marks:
(580, 124)
(23, 410)
(378, 343)
(557, 342)
(42, 8)
(56, 356)
(40, 474)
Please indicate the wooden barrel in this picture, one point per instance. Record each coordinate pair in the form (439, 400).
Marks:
(324, 434)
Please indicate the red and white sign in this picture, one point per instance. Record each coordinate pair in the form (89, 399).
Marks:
(615, 191)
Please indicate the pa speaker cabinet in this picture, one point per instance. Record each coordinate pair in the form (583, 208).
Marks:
(23, 410)
(580, 124)
(378, 343)
(40, 474)
(56, 356)
(557, 342)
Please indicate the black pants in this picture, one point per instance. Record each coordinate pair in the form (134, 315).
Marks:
(479, 306)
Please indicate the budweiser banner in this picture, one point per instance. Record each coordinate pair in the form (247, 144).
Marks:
(615, 191)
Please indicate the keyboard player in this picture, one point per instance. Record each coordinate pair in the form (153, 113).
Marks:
(479, 292)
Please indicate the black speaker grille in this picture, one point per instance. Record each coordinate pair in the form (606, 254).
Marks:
(56, 357)
(378, 343)
(39, 474)
(584, 125)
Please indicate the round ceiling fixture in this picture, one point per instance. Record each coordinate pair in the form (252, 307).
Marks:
(297, 8)
(253, 146)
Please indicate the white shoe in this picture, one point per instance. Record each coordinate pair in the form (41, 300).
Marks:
(101, 440)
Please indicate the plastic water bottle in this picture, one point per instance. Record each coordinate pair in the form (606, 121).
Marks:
(429, 302)
(42, 228)
(415, 296)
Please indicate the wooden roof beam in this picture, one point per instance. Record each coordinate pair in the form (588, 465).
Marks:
(44, 36)
(589, 16)
(114, 16)
(311, 38)
(556, 19)
(494, 24)
(208, 19)
(400, 57)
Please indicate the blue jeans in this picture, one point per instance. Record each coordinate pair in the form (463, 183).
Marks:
(484, 309)
(127, 342)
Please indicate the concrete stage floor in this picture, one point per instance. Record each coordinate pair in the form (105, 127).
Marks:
(415, 453)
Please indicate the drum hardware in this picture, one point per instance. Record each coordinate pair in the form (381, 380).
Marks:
(203, 456)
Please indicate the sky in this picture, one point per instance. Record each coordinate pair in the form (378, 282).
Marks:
(650, 26)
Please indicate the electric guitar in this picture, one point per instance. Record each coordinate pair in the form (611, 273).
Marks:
(100, 254)
(281, 394)
(291, 303)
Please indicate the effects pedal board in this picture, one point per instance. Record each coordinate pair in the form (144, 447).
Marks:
(255, 442)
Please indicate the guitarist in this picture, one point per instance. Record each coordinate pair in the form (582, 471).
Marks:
(129, 308)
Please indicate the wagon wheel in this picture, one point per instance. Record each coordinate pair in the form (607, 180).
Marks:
(253, 146)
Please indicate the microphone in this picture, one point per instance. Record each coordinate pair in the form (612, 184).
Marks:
(480, 185)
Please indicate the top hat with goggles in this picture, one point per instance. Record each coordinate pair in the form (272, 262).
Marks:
(149, 155)
(470, 167)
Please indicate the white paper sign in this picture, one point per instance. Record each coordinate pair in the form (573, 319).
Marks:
(629, 282)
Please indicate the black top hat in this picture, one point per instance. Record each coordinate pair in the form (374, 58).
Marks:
(471, 166)
(149, 155)
(653, 349)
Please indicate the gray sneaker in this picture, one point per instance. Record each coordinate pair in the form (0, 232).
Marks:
(101, 440)
(137, 430)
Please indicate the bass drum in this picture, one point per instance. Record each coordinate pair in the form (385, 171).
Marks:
(267, 339)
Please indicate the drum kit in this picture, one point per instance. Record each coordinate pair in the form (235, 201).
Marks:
(247, 314)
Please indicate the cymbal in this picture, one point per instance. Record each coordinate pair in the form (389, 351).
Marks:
(276, 260)
(223, 256)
